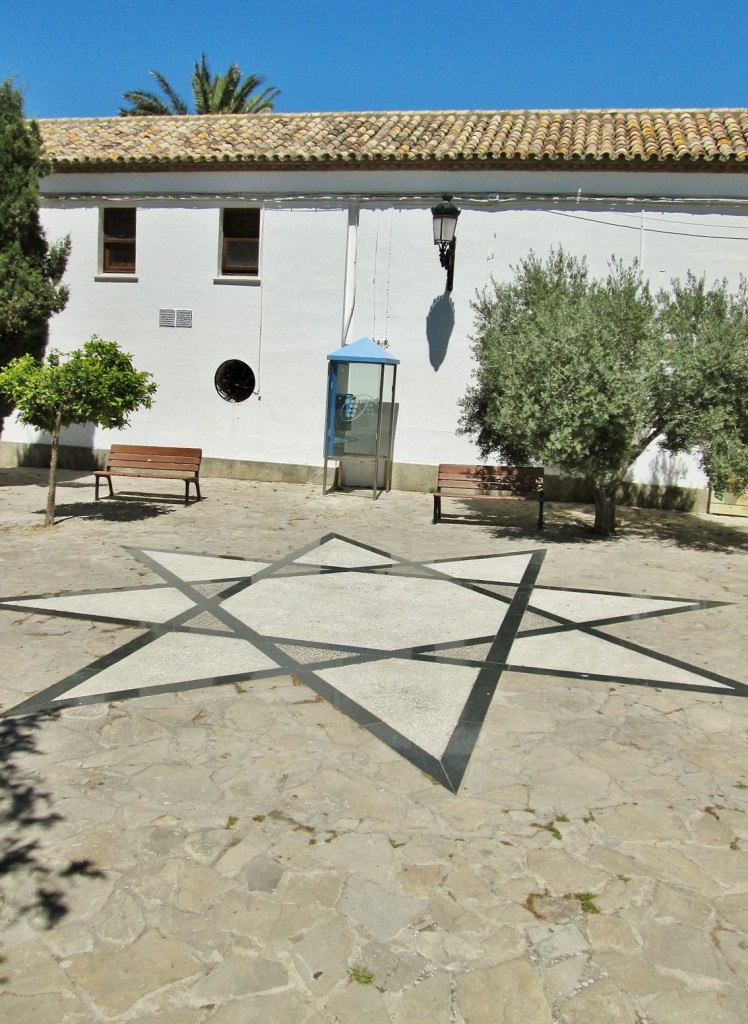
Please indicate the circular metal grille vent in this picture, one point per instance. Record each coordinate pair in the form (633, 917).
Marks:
(234, 380)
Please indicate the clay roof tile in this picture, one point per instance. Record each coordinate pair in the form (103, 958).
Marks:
(557, 136)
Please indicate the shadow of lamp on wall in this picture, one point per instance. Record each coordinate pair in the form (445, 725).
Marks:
(440, 323)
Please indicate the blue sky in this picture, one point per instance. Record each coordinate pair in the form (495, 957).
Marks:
(75, 58)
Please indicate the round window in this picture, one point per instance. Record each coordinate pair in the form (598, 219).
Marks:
(234, 381)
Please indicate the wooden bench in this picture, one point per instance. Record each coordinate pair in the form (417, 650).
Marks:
(489, 483)
(150, 461)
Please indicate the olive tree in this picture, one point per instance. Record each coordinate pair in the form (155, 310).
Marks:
(95, 384)
(702, 394)
(585, 374)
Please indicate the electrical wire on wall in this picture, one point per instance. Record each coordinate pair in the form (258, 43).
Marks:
(387, 294)
(374, 284)
(351, 271)
(638, 224)
(258, 389)
(550, 201)
(375, 303)
(412, 199)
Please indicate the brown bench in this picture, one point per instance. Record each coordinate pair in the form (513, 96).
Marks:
(150, 461)
(489, 483)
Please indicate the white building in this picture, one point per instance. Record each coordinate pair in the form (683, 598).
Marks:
(272, 239)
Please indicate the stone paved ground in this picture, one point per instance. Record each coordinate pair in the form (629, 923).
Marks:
(248, 854)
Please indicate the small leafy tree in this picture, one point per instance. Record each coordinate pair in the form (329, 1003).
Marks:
(96, 384)
(212, 94)
(30, 269)
(584, 374)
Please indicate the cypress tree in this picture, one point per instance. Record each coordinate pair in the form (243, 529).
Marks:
(30, 269)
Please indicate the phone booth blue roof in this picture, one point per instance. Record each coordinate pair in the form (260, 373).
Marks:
(363, 351)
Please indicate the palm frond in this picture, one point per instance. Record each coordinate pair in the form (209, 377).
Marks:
(201, 86)
(247, 87)
(263, 102)
(143, 104)
(178, 106)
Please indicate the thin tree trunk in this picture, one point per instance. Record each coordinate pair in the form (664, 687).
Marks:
(50, 516)
(605, 509)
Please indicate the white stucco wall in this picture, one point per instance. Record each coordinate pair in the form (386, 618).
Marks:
(353, 250)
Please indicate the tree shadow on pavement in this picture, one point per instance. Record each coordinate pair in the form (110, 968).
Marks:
(697, 532)
(112, 510)
(28, 885)
(571, 523)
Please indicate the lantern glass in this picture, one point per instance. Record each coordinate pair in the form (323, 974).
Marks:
(445, 222)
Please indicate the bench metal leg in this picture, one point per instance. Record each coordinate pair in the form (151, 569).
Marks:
(187, 491)
(97, 481)
(437, 508)
(540, 516)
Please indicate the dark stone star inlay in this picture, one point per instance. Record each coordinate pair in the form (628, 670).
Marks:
(412, 651)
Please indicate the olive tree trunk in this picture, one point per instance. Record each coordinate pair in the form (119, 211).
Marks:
(49, 518)
(605, 508)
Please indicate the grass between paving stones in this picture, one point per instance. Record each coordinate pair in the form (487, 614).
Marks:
(529, 903)
(550, 826)
(586, 901)
(361, 975)
(297, 826)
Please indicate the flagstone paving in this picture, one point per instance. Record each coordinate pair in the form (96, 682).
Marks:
(280, 757)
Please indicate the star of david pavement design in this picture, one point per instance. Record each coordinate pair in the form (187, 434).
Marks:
(412, 651)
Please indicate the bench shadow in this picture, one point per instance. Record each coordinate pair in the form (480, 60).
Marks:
(571, 523)
(28, 884)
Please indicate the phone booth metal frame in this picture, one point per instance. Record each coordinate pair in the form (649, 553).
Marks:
(360, 425)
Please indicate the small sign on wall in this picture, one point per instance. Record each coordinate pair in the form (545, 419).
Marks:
(175, 318)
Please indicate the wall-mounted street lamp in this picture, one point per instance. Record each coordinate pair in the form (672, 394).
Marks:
(445, 216)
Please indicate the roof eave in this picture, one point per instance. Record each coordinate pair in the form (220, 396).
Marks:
(479, 163)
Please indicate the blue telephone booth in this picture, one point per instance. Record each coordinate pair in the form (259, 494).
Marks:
(359, 424)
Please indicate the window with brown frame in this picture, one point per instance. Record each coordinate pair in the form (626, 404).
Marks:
(240, 253)
(119, 240)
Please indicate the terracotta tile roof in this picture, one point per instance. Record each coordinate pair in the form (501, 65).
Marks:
(552, 138)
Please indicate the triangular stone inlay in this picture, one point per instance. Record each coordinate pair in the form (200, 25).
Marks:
(144, 604)
(176, 658)
(191, 567)
(313, 655)
(342, 554)
(581, 654)
(421, 702)
(211, 589)
(476, 652)
(205, 620)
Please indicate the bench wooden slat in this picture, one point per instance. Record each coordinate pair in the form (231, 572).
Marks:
(157, 465)
(155, 474)
(160, 449)
(489, 483)
(155, 462)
